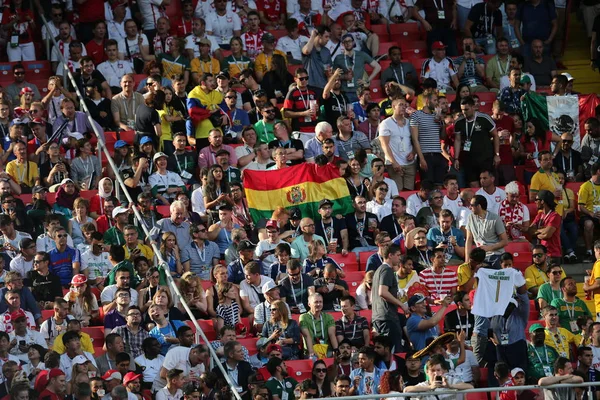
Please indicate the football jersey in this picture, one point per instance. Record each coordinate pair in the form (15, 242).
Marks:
(494, 290)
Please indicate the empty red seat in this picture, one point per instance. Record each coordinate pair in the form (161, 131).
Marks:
(302, 368)
(347, 262)
(127, 136)
(517, 247)
(163, 210)
(96, 334)
(249, 344)
(406, 31)
(354, 279)
(363, 257)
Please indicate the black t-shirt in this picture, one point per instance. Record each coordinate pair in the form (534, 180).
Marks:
(335, 106)
(421, 259)
(43, 288)
(390, 224)
(333, 297)
(291, 144)
(300, 290)
(478, 133)
(452, 324)
(413, 380)
(46, 167)
(484, 21)
(562, 164)
(362, 225)
(145, 119)
(81, 80)
(324, 230)
(107, 121)
(130, 173)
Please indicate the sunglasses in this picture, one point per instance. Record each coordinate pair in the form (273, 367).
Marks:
(303, 78)
(556, 272)
(19, 73)
(62, 236)
(382, 189)
(231, 97)
(538, 255)
(297, 274)
(269, 111)
(38, 261)
(320, 370)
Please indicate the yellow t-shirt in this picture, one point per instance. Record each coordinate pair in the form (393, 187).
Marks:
(20, 174)
(536, 278)
(145, 251)
(263, 63)
(209, 100)
(465, 273)
(561, 343)
(86, 343)
(589, 194)
(543, 181)
(200, 67)
(593, 278)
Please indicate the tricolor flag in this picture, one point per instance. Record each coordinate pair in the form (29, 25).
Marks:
(561, 114)
(301, 186)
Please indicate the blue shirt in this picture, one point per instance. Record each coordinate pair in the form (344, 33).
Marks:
(418, 337)
(536, 20)
(308, 265)
(516, 323)
(373, 262)
(61, 264)
(235, 271)
(160, 333)
(28, 302)
(435, 236)
(366, 384)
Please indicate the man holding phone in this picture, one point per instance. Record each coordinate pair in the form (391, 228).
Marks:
(22, 337)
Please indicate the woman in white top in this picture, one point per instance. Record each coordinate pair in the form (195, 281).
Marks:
(81, 208)
(394, 135)
(86, 170)
(379, 205)
(83, 304)
(165, 184)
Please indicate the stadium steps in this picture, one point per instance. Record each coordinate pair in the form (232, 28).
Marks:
(577, 58)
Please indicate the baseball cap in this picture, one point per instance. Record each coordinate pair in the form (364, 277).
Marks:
(222, 152)
(272, 224)
(158, 155)
(54, 372)
(205, 42)
(66, 180)
(246, 245)
(146, 139)
(438, 45)
(130, 377)
(325, 202)
(26, 89)
(525, 79)
(112, 374)
(416, 299)
(119, 210)
(535, 327)
(120, 143)
(515, 371)
(223, 75)
(270, 285)
(274, 346)
(15, 315)
(568, 76)
(346, 36)
(295, 213)
(76, 135)
(39, 189)
(547, 197)
(268, 37)
(79, 360)
(37, 121)
(78, 280)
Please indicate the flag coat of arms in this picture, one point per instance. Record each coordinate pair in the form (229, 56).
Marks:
(561, 114)
(302, 186)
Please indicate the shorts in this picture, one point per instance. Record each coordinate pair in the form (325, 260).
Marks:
(584, 218)
(473, 169)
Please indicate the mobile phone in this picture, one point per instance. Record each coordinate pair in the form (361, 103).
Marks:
(22, 343)
(438, 378)
(468, 48)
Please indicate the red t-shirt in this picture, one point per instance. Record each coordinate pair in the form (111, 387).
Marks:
(181, 28)
(448, 143)
(23, 28)
(96, 51)
(102, 224)
(48, 395)
(508, 394)
(505, 122)
(91, 10)
(272, 9)
(530, 147)
(553, 243)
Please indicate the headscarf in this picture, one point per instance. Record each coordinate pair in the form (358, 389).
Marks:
(64, 199)
(101, 191)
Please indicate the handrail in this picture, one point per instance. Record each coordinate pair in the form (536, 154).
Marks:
(161, 262)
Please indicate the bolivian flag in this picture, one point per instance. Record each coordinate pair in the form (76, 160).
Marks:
(302, 186)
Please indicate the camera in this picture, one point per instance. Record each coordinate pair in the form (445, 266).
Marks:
(468, 48)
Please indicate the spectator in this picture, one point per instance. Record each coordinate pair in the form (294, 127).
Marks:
(491, 236)
(493, 194)
(317, 58)
(223, 23)
(56, 386)
(440, 282)
(439, 24)
(332, 295)
(399, 71)
(428, 217)
(123, 105)
(569, 306)
(539, 24)
(72, 343)
(560, 339)
(550, 290)
(514, 214)
(447, 237)
(296, 288)
(499, 65)
(589, 207)
(437, 366)
(541, 66)
(563, 374)
(174, 385)
(569, 161)
(471, 68)
(539, 367)
(351, 328)
(476, 26)
(293, 43)
(441, 68)
(13, 90)
(44, 285)
(546, 225)
(353, 62)
(361, 385)
(282, 330)
(280, 385)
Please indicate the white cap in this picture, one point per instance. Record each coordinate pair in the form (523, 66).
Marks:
(80, 360)
(76, 135)
(515, 371)
(119, 210)
(569, 76)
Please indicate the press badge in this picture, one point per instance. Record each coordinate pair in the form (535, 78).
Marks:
(186, 175)
(441, 14)
(467, 146)
(308, 119)
(301, 308)
(547, 370)
(504, 339)
(574, 327)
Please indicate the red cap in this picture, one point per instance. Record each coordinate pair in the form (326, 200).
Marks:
(38, 121)
(438, 46)
(26, 89)
(112, 374)
(274, 346)
(17, 314)
(130, 377)
(272, 224)
(54, 372)
(78, 280)
(41, 381)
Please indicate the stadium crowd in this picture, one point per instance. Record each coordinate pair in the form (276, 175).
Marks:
(446, 274)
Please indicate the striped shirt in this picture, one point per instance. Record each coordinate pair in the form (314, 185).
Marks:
(429, 131)
(439, 285)
(299, 101)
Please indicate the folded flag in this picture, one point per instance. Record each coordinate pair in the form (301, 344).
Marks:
(301, 186)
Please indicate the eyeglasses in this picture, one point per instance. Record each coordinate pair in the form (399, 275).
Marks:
(62, 236)
(243, 82)
(538, 255)
(123, 295)
(231, 97)
(296, 274)
(309, 225)
(320, 370)
(556, 272)
(154, 276)
(269, 111)
(149, 83)
(199, 230)
(382, 189)
(39, 261)
(303, 78)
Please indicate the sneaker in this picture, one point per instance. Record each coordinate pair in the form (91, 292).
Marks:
(572, 258)
(589, 258)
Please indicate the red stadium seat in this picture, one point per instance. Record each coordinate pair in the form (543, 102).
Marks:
(208, 328)
(382, 31)
(522, 260)
(163, 210)
(347, 262)
(127, 136)
(292, 68)
(46, 314)
(303, 369)
(517, 247)
(96, 334)
(368, 314)
(249, 344)
(403, 32)
(533, 210)
(385, 47)
(354, 279)
(279, 33)
(99, 351)
(88, 194)
(363, 257)
(26, 198)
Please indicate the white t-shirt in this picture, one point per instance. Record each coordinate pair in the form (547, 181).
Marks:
(265, 245)
(463, 216)
(334, 49)
(251, 292)
(14, 242)
(31, 337)
(134, 47)
(151, 12)
(223, 26)
(494, 199)
(177, 357)
(197, 201)
(414, 204)
(108, 295)
(442, 72)
(98, 266)
(505, 82)
(293, 46)
(164, 394)
(151, 368)
(494, 290)
(114, 71)
(464, 371)
(109, 16)
(64, 49)
(596, 359)
(453, 205)
(381, 210)
(116, 30)
(400, 141)
(20, 265)
(50, 329)
(66, 363)
(191, 42)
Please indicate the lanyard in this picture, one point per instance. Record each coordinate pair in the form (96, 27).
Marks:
(342, 110)
(485, 20)
(438, 287)
(401, 74)
(441, 6)
(353, 327)
(360, 228)
(301, 289)
(184, 27)
(179, 165)
(237, 64)
(224, 229)
(466, 329)
(330, 238)
(538, 356)
(315, 327)
(24, 174)
(133, 108)
(562, 342)
(424, 258)
(203, 255)
(353, 58)
(362, 187)
(570, 163)
(535, 144)
(203, 63)
(570, 311)
(505, 69)
(86, 166)
(162, 179)
(470, 133)
(307, 101)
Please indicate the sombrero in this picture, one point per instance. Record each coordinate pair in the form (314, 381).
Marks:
(438, 341)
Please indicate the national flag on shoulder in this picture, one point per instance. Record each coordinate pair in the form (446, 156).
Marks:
(561, 114)
(301, 186)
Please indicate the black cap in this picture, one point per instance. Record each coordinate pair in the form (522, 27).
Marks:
(246, 245)
(223, 74)
(547, 197)
(325, 202)
(295, 213)
(222, 152)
